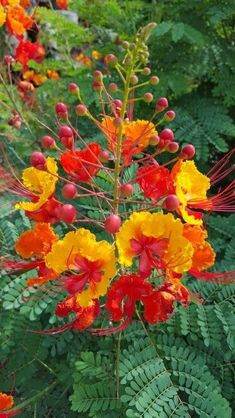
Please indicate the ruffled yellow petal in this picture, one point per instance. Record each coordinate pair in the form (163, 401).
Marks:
(2, 16)
(41, 183)
(190, 185)
(83, 243)
(179, 252)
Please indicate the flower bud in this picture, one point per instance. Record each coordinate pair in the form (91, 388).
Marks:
(126, 190)
(38, 160)
(112, 224)
(110, 59)
(98, 75)
(61, 110)
(146, 71)
(161, 104)
(66, 136)
(154, 139)
(97, 85)
(68, 214)
(81, 110)
(73, 88)
(104, 156)
(171, 203)
(47, 142)
(125, 44)
(169, 115)
(188, 152)
(172, 147)
(154, 80)
(69, 191)
(148, 97)
(167, 134)
(113, 88)
(117, 122)
(134, 79)
(8, 60)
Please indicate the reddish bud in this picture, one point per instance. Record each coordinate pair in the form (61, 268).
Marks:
(66, 136)
(8, 60)
(110, 59)
(73, 88)
(61, 110)
(117, 122)
(112, 224)
(162, 144)
(126, 189)
(162, 104)
(118, 104)
(167, 135)
(146, 71)
(188, 151)
(47, 142)
(154, 139)
(68, 214)
(134, 79)
(98, 75)
(172, 147)
(148, 97)
(69, 191)
(97, 85)
(169, 115)
(104, 156)
(81, 110)
(113, 88)
(38, 160)
(154, 80)
(171, 203)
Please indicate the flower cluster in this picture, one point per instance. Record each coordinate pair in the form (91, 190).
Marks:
(150, 229)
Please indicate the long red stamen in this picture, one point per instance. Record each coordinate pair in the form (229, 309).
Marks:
(112, 330)
(217, 277)
(53, 331)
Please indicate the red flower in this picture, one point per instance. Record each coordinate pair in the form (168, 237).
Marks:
(160, 303)
(154, 181)
(27, 50)
(84, 316)
(84, 164)
(123, 295)
(62, 4)
(49, 212)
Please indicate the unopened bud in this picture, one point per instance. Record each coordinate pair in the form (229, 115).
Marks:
(125, 44)
(154, 80)
(154, 139)
(110, 59)
(188, 151)
(73, 88)
(167, 134)
(98, 75)
(47, 142)
(61, 110)
(146, 71)
(148, 97)
(161, 104)
(38, 160)
(134, 79)
(169, 115)
(172, 147)
(171, 203)
(113, 88)
(81, 110)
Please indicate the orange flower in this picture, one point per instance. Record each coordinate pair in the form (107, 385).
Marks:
(36, 242)
(17, 21)
(6, 401)
(52, 75)
(204, 255)
(62, 4)
(136, 136)
(25, 3)
(85, 316)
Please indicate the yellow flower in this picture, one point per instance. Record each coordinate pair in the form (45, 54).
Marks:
(79, 251)
(41, 183)
(190, 186)
(2, 16)
(158, 241)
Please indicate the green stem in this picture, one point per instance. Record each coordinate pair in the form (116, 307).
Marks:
(117, 364)
(119, 139)
(34, 398)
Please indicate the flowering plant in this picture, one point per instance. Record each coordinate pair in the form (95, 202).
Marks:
(152, 226)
